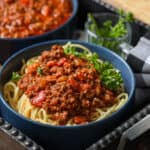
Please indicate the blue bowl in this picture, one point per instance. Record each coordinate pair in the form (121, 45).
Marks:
(8, 46)
(66, 137)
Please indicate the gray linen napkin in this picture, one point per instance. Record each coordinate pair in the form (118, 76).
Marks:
(139, 60)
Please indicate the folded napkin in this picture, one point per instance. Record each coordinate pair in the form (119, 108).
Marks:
(139, 56)
(139, 60)
(142, 80)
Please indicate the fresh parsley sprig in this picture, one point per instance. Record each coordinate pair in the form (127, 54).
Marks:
(107, 33)
(110, 77)
(15, 76)
(39, 71)
(108, 30)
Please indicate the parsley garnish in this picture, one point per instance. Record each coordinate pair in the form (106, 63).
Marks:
(39, 71)
(15, 76)
(110, 77)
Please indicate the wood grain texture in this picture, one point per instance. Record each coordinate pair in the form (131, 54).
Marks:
(8, 143)
(140, 8)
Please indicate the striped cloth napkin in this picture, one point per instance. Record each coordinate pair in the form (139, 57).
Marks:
(139, 60)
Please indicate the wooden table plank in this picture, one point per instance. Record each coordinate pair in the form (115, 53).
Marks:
(8, 143)
(139, 8)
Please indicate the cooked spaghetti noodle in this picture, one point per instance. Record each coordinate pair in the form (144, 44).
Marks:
(63, 87)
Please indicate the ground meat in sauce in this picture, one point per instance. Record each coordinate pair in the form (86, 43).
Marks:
(23, 18)
(68, 87)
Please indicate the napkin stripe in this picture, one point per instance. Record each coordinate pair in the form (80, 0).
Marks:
(142, 80)
(135, 63)
(139, 56)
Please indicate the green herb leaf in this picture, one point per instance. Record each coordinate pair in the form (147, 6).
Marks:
(94, 26)
(106, 65)
(119, 30)
(69, 50)
(94, 60)
(15, 76)
(108, 31)
(128, 17)
(39, 71)
(111, 78)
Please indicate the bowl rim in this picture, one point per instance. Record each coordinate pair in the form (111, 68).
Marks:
(75, 5)
(89, 124)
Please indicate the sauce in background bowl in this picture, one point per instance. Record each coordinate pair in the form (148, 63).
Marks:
(31, 25)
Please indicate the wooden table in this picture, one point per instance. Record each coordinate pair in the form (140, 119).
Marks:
(139, 8)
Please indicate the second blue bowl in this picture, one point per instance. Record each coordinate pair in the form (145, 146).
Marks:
(8, 46)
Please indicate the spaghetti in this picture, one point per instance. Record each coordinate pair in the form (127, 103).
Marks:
(63, 87)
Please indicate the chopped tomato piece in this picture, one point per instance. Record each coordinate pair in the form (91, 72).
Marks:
(85, 86)
(42, 83)
(61, 61)
(24, 2)
(33, 68)
(80, 76)
(51, 63)
(50, 78)
(39, 99)
(80, 119)
(45, 11)
(73, 83)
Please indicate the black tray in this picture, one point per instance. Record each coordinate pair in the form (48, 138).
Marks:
(111, 140)
(12, 139)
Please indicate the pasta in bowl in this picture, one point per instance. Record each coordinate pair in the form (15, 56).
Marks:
(65, 87)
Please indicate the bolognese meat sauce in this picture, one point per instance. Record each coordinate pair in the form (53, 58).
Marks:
(66, 86)
(23, 18)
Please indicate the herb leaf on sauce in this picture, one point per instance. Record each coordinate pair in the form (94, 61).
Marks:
(15, 76)
(110, 76)
(39, 71)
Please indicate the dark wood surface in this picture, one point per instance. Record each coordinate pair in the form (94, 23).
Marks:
(8, 143)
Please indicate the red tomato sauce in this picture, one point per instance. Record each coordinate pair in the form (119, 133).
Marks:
(24, 18)
(66, 86)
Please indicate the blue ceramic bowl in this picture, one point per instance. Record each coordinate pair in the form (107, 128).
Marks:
(8, 46)
(65, 137)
